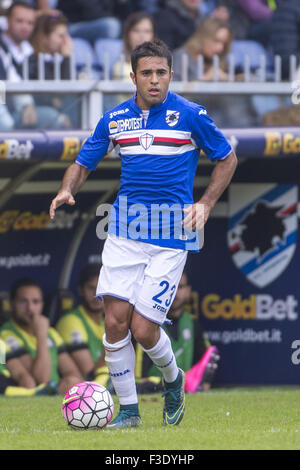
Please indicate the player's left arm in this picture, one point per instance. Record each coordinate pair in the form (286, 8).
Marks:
(198, 213)
(211, 140)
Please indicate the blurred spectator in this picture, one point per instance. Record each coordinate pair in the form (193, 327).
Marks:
(285, 33)
(91, 20)
(123, 8)
(213, 37)
(14, 41)
(149, 6)
(138, 28)
(82, 329)
(177, 21)
(36, 353)
(259, 13)
(51, 38)
(239, 21)
(194, 354)
(21, 111)
(257, 10)
(10, 388)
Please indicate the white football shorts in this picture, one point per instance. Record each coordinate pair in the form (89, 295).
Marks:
(145, 275)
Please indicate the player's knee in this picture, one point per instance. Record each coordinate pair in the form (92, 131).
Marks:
(147, 337)
(115, 328)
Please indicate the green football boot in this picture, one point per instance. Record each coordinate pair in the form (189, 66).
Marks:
(173, 394)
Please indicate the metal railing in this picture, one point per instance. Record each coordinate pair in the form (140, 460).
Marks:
(91, 85)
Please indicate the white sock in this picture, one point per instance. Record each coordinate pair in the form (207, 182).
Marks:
(120, 360)
(163, 357)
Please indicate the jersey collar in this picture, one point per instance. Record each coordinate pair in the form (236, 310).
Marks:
(153, 109)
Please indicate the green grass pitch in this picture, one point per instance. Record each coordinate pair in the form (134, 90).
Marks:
(238, 418)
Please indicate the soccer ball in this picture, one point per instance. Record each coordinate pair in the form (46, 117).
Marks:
(87, 405)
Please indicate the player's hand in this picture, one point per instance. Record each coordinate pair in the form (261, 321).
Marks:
(196, 216)
(63, 197)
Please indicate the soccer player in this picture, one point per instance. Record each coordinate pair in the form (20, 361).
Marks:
(82, 329)
(35, 353)
(154, 220)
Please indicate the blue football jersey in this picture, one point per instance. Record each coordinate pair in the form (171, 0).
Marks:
(158, 165)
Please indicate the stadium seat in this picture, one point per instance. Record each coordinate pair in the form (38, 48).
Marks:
(254, 50)
(84, 54)
(112, 48)
(4, 307)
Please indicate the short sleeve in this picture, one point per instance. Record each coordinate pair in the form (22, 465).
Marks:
(95, 147)
(14, 345)
(208, 136)
(56, 337)
(72, 331)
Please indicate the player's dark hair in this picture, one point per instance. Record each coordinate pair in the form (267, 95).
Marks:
(89, 271)
(14, 5)
(155, 48)
(22, 282)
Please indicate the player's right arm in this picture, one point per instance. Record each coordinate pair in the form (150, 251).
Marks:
(94, 149)
(73, 179)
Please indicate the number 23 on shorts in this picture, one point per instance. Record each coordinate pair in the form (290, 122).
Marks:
(165, 288)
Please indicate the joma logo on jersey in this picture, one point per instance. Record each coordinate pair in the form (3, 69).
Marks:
(125, 125)
(121, 111)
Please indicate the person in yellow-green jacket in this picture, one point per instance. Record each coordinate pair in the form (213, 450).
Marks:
(35, 352)
(82, 328)
(9, 387)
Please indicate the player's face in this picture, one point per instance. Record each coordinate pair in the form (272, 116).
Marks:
(27, 303)
(88, 293)
(152, 79)
(21, 24)
(141, 32)
(182, 295)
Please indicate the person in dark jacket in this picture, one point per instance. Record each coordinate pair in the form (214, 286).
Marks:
(285, 33)
(91, 20)
(177, 21)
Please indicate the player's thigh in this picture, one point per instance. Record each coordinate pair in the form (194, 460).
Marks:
(118, 315)
(160, 284)
(123, 265)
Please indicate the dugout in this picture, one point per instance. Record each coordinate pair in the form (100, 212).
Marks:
(245, 279)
